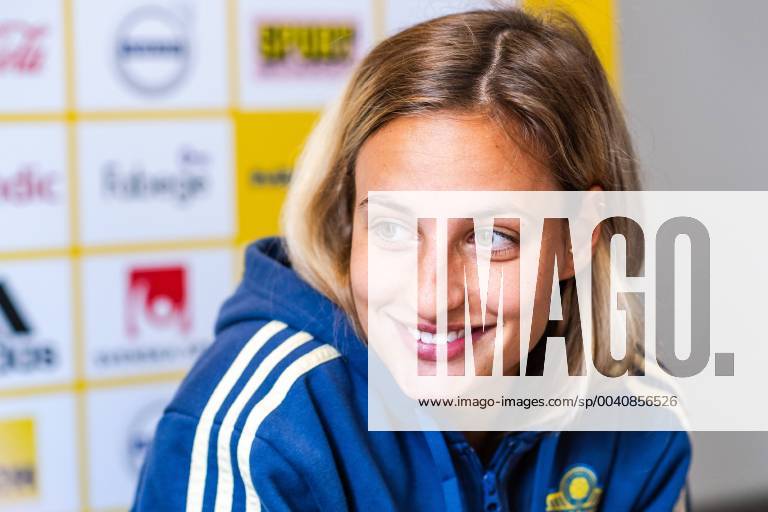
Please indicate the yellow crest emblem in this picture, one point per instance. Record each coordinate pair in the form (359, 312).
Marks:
(578, 491)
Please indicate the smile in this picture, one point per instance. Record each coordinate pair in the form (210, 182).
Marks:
(431, 338)
(428, 341)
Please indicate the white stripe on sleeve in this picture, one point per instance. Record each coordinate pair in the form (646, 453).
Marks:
(225, 480)
(266, 405)
(198, 466)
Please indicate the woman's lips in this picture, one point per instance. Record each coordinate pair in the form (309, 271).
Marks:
(427, 350)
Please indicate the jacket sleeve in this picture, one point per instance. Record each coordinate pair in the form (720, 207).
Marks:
(278, 485)
(664, 490)
(164, 479)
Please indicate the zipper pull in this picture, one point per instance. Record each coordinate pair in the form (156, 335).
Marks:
(490, 494)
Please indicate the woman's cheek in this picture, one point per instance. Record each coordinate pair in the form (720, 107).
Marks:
(509, 291)
(540, 318)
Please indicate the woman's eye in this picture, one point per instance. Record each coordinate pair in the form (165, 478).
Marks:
(495, 240)
(390, 231)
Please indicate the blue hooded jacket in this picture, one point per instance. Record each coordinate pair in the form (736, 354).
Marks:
(273, 417)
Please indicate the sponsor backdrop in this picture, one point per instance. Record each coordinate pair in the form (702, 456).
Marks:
(143, 144)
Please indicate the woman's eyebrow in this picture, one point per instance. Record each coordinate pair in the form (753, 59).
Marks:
(386, 203)
(484, 213)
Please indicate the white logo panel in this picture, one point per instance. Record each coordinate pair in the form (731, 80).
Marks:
(35, 323)
(118, 441)
(156, 181)
(33, 186)
(31, 56)
(296, 55)
(39, 455)
(151, 313)
(138, 55)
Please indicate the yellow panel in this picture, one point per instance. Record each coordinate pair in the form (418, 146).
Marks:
(267, 147)
(17, 460)
(598, 17)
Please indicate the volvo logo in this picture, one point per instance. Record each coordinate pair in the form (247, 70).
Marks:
(152, 50)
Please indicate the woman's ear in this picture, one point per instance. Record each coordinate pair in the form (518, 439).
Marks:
(591, 214)
(568, 270)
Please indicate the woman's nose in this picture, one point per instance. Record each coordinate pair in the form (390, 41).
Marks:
(428, 301)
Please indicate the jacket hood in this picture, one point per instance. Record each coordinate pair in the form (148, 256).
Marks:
(271, 290)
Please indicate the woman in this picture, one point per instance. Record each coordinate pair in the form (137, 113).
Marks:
(274, 414)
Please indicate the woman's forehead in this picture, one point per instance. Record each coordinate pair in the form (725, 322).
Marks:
(447, 152)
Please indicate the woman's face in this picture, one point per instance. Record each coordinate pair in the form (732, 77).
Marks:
(451, 152)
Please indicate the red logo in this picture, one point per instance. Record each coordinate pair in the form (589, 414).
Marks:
(27, 185)
(21, 47)
(157, 299)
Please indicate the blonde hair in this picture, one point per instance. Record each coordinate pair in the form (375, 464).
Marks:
(538, 75)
